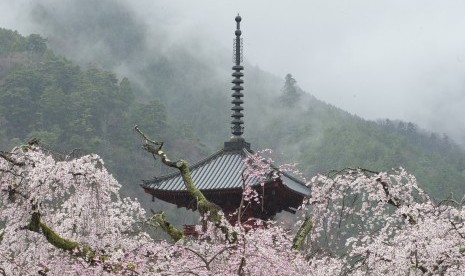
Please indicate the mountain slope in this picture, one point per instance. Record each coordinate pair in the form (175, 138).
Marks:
(322, 138)
(182, 98)
(46, 96)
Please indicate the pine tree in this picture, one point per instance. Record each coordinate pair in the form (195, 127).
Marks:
(290, 93)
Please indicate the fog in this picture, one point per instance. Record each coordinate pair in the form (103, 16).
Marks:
(377, 59)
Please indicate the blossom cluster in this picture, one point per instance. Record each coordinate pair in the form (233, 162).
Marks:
(363, 223)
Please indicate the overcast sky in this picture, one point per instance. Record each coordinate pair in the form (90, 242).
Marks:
(396, 59)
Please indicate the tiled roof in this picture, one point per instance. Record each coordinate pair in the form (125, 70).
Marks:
(220, 171)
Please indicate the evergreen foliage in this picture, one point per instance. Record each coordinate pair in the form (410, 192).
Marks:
(67, 106)
(290, 93)
(46, 96)
(321, 138)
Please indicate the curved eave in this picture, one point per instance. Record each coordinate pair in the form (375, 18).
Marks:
(302, 191)
(220, 171)
(184, 199)
(297, 186)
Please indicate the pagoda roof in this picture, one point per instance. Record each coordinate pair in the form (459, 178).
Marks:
(219, 172)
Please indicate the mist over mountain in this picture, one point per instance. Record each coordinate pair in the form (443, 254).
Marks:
(180, 87)
(398, 60)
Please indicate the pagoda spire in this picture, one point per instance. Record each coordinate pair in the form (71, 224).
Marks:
(237, 129)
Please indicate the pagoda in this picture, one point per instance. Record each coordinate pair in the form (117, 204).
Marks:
(219, 176)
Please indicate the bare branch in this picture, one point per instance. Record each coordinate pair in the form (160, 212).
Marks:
(207, 266)
(208, 262)
(146, 138)
(219, 252)
(240, 270)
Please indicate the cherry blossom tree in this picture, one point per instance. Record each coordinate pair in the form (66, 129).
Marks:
(63, 215)
(384, 223)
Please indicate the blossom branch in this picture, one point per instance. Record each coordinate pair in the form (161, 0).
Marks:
(8, 157)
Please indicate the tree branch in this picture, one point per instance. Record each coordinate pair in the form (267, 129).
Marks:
(74, 248)
(393, 201)
(208, 262)
(302, 233)
(7, 157)
(160, 220)
(205, 207)
(240, 270)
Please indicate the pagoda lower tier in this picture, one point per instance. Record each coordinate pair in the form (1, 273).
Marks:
(219, 178)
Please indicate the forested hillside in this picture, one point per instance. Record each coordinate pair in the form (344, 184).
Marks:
(46, 96)
(184, 100)
(321, 137)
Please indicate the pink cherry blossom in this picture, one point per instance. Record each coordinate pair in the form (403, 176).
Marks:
(364, 223)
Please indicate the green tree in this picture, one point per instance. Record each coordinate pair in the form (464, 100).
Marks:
(290, 94)
(36, 45)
